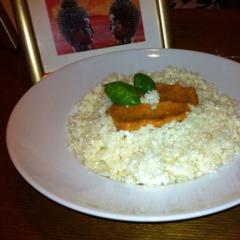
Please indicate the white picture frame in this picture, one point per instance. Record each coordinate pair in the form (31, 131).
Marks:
(42, 43)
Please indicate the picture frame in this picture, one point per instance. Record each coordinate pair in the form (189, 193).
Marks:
(41, 46)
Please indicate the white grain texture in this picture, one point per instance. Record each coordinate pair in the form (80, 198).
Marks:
(177, 152)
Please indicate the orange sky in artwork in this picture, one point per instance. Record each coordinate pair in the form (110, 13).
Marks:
(102, 9)
(98, 9)
(93, 7)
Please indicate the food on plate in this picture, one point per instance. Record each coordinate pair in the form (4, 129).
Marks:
(132, 118)
(155, 128)
(143, 82)
(177, 93)
(122, 93)
(172, 102)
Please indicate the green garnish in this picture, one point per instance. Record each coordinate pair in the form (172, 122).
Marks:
(122, 93)
(143, 82)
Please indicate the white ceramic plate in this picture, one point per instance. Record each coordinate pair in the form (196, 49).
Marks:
(36, 140)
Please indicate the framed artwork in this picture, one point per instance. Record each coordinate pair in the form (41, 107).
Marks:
(55, 33)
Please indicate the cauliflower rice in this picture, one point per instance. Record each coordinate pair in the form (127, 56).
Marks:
(178, 151)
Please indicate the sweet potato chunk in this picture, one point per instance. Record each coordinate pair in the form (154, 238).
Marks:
(156, 122)
(163, 87)
(132, 118)
(177, 93)
(173, 105)
(145, 111)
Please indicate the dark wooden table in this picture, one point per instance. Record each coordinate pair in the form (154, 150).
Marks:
(26, 214)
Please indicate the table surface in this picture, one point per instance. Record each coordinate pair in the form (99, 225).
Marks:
(26, 214)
